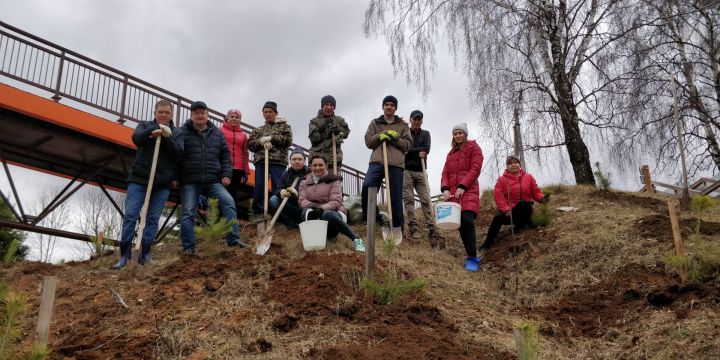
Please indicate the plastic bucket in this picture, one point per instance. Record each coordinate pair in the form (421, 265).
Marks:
(313, 234)
(447, 215)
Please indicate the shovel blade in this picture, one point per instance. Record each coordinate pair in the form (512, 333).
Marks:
(261, 249)
(397, 235)
(386, 232)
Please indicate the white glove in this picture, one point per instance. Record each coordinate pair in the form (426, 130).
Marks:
(166, 132)
(284, 194)
(291, 190)
(265, 139)
(267, 145)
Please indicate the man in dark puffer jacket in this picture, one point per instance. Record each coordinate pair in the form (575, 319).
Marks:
(206, 169)
(171, 144)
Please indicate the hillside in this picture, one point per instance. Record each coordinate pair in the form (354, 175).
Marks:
(594, 280)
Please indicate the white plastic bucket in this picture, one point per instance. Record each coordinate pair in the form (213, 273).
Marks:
(447, 215)
(313, 234)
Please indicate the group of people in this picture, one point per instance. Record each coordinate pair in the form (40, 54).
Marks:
(202, 159)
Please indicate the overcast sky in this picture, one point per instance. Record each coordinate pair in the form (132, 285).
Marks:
(238, 54)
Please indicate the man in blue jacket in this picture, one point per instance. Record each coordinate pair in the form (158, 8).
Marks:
(206, 169)
(171, 147)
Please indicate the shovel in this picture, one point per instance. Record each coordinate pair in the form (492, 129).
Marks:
(263, 244)
(261, 224)
(387, 230)
(132, 266)
(334, 154)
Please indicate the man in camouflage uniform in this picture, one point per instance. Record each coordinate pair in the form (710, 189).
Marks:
(322, 127)
(276, 136)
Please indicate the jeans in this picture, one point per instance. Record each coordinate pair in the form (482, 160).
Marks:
(521, 214)
(189, 198)
(467, 232)
(415, 180)
(290, 215)
(336, 223)
(373, 178)
(133, 205)
(275, 172)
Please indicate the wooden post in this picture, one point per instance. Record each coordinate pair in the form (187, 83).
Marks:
(677, 238)
(370, 245)
(685, 196)
(46, 308)
(647, 180)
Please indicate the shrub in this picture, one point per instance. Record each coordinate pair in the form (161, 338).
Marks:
(527, 340)
(603, 179)
(12, 308)
(391, 287)
(702, 265)
(699, 205)
(217, 227)
(542, 216)
(487, 200)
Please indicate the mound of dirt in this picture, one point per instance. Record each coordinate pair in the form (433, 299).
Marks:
(626, 199)
(531, 241)
(657, 226)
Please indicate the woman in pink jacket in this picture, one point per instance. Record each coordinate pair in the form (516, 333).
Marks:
(460, 184)
(237, 142)
(321, 199)
(514, 193)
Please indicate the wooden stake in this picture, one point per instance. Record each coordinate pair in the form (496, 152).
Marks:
(677, 237)
(46, 308)
(685, 196)
(647, 180)
(370, 245)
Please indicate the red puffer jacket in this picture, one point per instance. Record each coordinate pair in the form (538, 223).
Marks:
(510, 189)
(237, 141)
(462, 169)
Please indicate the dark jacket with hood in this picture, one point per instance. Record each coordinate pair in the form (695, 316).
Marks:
(321, 137)
(169, 156)
(287, 179)
(421, 142)
(206, 158)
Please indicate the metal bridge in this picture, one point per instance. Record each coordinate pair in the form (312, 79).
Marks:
(65, 114)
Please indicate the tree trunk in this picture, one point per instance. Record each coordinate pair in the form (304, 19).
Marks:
(576, 148)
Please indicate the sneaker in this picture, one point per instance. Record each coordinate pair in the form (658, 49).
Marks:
(359, 245)
(472, 264)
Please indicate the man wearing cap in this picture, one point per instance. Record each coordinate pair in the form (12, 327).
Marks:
(206, 169)
(323, 127)
(276, 136)
(171, 146)
(414, 178)
(290, 215)
(391, 129)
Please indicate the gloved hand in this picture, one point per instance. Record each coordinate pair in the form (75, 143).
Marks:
(166, 131)
(393, 134)
(291, 190)
(333, 128)
(384, 137)
(545, 199)
(267, 145)
(340, 138)
(284, 194)
(265, 139)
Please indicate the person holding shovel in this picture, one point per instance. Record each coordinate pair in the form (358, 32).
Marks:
(416, 179)
(237, 142)
(206, 169)
(514, 193)
(275, 136)
(171, 147)
(321, 199)
(460, 185)
(288, 188)
(323, 128)
(391, 130)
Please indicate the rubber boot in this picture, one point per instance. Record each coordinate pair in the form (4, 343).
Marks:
(472, 264)
(145, 255)
(125, 252)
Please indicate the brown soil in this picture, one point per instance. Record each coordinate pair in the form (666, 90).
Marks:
(657, 226)
(628, 199)
(530, 241)
(322, 288)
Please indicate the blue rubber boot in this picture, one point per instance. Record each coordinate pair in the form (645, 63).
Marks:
(472, 264)
(145, 256)
(125, 251)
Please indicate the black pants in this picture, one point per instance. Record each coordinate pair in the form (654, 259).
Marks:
(467, 232)
(235, 182)
(521, 214)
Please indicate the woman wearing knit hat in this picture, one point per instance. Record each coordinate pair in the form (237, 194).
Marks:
(460, 185)
(514, 193)
(238, 143)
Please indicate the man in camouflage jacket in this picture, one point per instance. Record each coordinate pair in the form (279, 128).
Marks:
(321, 129)
(276, 136)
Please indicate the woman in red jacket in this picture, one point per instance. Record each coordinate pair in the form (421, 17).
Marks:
(514, 193)
(460, 185)
(237, 142)
(321, 199)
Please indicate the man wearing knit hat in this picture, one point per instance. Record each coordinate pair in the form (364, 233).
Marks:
(276, 136)
(391, 129)
(414, 179)
(290, 215)
(323, 127)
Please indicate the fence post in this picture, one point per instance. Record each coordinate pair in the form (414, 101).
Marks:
(56, 97)
(647, 180)
(121, 120)
(677, 238)
(370, 246)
